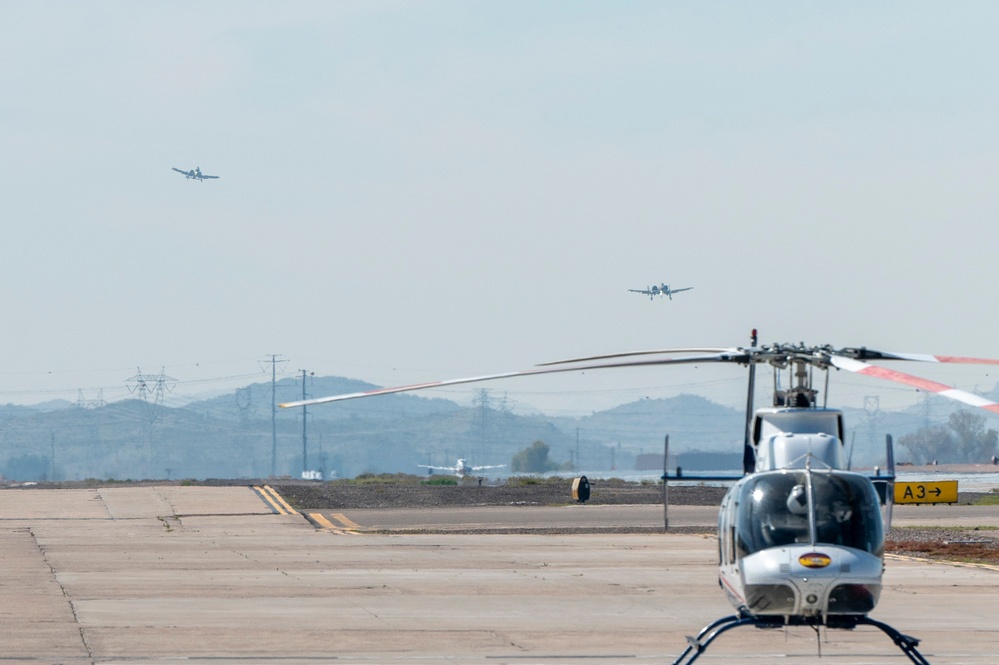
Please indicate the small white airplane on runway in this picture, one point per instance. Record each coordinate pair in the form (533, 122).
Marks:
(461, 469)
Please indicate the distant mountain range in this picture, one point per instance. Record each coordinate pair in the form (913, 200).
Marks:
(234, 436)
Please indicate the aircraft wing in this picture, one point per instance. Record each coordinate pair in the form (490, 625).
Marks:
(451, 469)
(642, 291)
(209, 177)
(686, 288)
(490, 466)
(179, 171)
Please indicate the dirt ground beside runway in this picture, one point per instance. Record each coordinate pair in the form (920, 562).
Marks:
(549, 492)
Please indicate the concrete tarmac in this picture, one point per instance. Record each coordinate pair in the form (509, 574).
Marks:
(201, 575)
(597, 517)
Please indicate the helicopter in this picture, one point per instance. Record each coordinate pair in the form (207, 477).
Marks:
(800, 535)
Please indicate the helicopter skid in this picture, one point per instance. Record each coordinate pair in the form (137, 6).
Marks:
(697, 645)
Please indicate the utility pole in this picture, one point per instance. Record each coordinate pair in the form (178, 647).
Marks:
(305, 440)
(274, 361)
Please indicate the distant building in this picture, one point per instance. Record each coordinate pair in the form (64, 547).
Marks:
(648, 462)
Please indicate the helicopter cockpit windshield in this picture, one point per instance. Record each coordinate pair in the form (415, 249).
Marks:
(779, 509)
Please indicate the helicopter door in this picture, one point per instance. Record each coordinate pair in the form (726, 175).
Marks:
(764, 518)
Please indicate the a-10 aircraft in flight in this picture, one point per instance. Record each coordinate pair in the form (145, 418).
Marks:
(195, 174)
(661, 290)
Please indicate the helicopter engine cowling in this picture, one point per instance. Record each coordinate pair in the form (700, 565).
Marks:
(791, 451)
(807, 581)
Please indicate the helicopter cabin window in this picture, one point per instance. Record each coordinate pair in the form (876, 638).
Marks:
(847, 512)
(776, 512)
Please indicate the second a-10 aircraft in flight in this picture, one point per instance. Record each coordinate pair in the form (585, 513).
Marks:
(195, 174)
(661, 290)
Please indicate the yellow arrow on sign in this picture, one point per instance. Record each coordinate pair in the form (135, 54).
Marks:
(937, 491)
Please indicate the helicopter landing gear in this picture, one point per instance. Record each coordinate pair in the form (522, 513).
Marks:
(697, 645)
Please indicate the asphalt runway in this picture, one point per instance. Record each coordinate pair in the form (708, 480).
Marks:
(201, 575)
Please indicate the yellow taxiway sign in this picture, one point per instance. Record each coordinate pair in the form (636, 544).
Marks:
(936, 491)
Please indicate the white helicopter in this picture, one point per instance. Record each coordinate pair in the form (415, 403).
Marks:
(461, 469)
(801, 538)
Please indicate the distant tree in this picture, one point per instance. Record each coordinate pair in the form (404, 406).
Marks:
(928, 443)
(963, 439)
(533, 459)
(974, 443)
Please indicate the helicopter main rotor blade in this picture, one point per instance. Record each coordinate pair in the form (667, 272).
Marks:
(860, 367)
(650, 352)
(870, 354)
(508, 375)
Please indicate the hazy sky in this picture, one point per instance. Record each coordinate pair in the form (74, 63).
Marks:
(425, 190)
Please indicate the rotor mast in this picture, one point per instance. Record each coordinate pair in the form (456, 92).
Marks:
(748, 454)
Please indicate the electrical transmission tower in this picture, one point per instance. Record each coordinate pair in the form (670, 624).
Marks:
(244, 403)
(482, 405)
(872, 418)
(148, 384)
(83, 403)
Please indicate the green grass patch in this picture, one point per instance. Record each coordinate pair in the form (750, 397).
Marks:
(523, 481)
(383, 479)
(440, 480)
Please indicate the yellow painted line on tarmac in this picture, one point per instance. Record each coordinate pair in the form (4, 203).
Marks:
(277, 497)
(946, 562)
(347, 522)
(274, 500)
(320, 520)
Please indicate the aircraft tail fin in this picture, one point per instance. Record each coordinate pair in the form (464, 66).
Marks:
(890, 483)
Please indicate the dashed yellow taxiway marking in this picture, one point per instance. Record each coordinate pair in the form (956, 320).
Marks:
(344, 520)
(274, 500)
(963, 564)
(349, 527)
